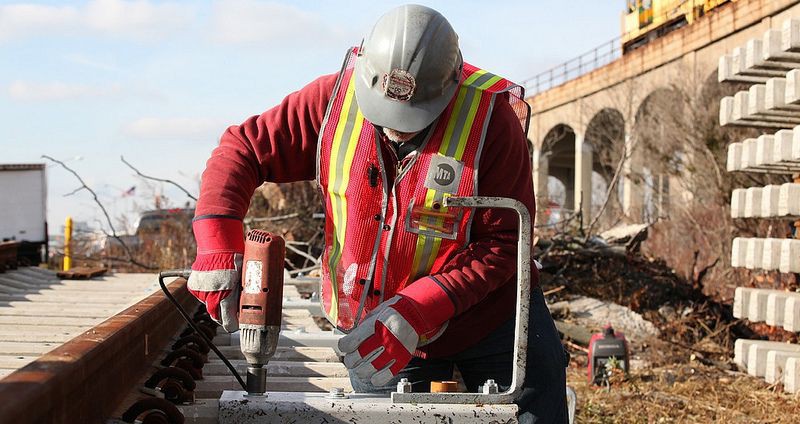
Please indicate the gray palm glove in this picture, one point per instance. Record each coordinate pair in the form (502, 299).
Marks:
(217, 269)
(219, 290)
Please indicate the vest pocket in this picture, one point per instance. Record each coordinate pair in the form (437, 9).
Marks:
(433, 221)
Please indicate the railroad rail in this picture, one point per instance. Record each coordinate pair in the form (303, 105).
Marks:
(143, 364)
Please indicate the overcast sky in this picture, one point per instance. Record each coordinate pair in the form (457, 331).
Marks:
(158, 82)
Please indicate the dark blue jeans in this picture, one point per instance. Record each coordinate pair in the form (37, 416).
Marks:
(543, 399)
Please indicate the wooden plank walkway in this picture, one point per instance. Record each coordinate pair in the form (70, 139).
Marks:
(39, 312)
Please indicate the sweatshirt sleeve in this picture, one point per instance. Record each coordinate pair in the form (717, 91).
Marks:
(489, 259)
(280, 145)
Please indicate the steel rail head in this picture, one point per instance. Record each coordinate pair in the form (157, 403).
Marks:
(103, 364)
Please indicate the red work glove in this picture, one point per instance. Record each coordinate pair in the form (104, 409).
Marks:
(382, 345)
(217, 269)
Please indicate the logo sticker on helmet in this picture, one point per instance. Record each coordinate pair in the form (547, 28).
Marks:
(399, 85)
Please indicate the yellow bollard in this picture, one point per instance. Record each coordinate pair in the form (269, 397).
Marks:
(67, 244)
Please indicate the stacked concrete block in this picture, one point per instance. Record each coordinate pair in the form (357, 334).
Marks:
(771, 65)
(771, 259)
(739, 252)
(791, 314)
(734, 157)
(752, 203)
(778, 153)
(776, 364)
(754, 253)
(760, 59)
(783, 147)
(790, 256)
(775, 361)
(770, 199)
(768, 254)
(776, 308)
(738, 202)
(758, 353)
(741, 349)
(741, 302)
(757, 305)
(792, 93)
(789, 200)
(791, 375)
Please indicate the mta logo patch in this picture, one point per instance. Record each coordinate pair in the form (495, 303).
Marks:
(444, 174)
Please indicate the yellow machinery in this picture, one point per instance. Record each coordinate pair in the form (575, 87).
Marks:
(646, 20)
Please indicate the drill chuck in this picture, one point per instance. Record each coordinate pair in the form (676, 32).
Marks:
(258, 344)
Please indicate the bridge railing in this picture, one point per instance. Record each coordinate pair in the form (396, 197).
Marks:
(573, 68)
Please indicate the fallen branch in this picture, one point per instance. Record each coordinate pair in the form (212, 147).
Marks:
(576, 346)
(555, 290)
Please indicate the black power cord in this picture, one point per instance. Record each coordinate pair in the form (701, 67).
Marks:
(184, 273)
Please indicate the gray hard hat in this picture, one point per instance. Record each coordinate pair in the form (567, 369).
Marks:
(408, 68)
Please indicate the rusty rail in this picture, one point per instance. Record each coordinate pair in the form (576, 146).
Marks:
(84, 380)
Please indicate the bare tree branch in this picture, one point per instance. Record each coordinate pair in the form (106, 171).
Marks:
(74, 191)
(611, 187)
(162, 180)
(113, 234)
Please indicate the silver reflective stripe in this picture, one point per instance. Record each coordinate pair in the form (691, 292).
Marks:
(461, 122)
(483, 79)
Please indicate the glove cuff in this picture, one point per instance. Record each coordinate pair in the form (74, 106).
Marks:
(429, 303)
(218, 235)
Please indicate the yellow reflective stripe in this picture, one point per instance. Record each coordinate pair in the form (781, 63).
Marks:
(422, 239)
(437, 243)
(339, 171)
(475, 75)
(451, 124)
(473, 109)
(492, 81)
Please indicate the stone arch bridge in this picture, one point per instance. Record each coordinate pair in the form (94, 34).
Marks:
(580, 129)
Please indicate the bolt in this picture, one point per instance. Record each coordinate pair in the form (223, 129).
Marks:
(336, 393)
(404, 386)
(490, 387)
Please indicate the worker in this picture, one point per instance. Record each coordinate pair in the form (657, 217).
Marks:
(418, 287)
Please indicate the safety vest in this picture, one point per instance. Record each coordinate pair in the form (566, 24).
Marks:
(380, 237)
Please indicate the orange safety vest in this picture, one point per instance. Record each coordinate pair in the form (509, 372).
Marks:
(380, 238)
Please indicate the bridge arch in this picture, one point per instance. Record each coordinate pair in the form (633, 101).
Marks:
(605, 134)
(657, 149)
(554, 174)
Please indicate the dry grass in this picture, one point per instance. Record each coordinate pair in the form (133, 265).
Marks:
(686, 375)
(683, 392)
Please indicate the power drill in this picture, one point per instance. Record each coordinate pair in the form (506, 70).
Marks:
(260, 304)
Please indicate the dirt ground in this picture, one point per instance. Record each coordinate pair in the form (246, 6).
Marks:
(686, 375)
